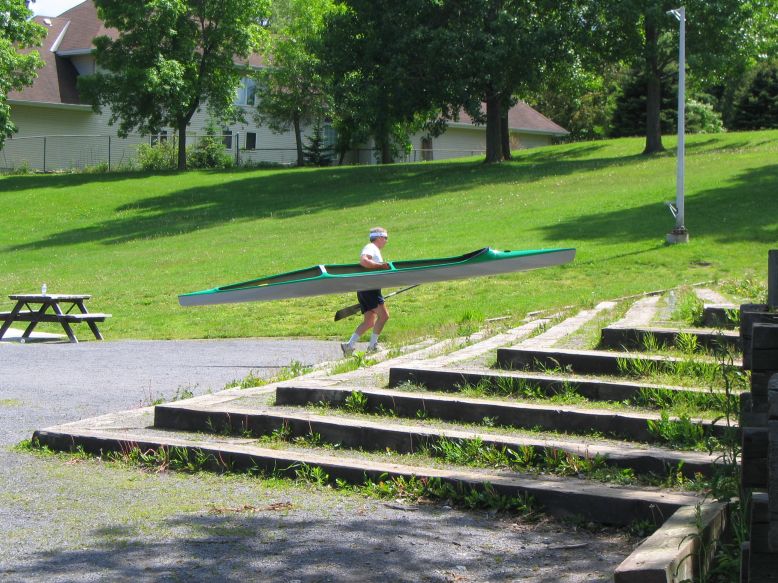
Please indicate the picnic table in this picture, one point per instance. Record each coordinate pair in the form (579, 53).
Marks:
(37, 308)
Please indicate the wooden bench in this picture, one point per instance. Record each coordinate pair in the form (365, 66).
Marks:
(27, 316)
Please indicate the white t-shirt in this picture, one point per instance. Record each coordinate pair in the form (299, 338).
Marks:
(373, 251)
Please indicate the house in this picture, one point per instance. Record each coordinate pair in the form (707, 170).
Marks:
(57, 130)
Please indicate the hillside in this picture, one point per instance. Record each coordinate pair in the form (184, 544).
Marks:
(134, 241)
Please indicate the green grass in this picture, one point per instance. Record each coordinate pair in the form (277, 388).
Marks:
(135, 241)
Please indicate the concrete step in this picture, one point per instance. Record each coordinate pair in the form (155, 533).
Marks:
(635, 338)
(591, 388)
(561, 497)
(622, 424)
(372, 435)
(567, 326)
(582, 361)
(720, 315)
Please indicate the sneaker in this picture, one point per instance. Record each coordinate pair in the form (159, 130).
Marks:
(347, 349)
(372, 349)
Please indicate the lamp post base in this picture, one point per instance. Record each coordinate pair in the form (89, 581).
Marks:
(679, 235)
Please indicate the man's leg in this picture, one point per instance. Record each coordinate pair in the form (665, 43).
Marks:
(382, 316)
(368, 321)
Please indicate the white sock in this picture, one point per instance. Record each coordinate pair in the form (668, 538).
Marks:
(353, 340)
(373, 339)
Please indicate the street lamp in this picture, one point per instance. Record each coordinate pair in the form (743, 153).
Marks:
(679, 234)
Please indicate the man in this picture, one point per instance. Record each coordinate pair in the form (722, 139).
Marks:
(371, 302)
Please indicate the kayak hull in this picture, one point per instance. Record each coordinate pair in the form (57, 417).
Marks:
(335, 279)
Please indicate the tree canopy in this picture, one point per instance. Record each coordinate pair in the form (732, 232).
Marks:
(643, 35)
(388, 64)
(417, 63)
(171, 58)
(18, 66)
(290, 88)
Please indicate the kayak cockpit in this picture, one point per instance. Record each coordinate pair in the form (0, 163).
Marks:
(309, 273)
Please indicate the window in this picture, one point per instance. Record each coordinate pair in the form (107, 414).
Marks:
(227, 137)
(426, 149)
(330, 137)
(246, 92)
(251, 141)
(159, 138)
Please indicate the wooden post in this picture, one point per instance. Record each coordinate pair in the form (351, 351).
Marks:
(772, 466)
(772, 279)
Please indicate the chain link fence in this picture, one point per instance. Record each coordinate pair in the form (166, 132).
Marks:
(78, 152)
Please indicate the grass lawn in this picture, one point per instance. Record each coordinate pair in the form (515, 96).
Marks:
(135, 241)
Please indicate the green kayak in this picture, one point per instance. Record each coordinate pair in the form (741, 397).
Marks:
(335, 279)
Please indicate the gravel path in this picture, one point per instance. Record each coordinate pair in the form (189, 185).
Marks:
(85, 520)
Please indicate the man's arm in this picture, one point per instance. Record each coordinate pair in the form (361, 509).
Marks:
(367, 261)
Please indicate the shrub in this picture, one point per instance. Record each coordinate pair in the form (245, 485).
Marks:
(160, 156)
(701, 118)
(209, 152)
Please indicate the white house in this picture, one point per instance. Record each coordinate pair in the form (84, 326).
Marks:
(58, 131)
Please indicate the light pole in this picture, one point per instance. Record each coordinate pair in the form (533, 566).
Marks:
(679, 234)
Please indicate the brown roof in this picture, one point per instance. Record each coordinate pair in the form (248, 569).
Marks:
(84, 26)
(56, 82)
(523, 117)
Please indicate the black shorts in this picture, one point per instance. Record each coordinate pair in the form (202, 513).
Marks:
(370, 299)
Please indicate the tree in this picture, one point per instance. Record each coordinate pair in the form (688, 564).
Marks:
(758, 104)
(581, 101)
(629, 113)
(171, 58)
(642, 34)
(509, 46)
(17, 69)
(316, 151)
(410, 64)
(392, 66)
(291, 90)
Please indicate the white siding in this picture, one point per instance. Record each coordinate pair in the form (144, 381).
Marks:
(457, 142)
(76, 137)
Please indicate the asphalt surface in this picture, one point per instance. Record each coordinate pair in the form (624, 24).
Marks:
(85, 520)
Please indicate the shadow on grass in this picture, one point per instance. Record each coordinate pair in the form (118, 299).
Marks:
(246, 195)
(285, 194)
(272, 546)
(744, 210)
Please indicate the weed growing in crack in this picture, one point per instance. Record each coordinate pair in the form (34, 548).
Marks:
(251, 380)
(312, 474)
(354, 362)
(681, 432)
(458, 494)
(689, 308)
(356, 402)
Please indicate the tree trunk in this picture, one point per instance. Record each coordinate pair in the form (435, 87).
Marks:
(384, 144)
(386, 152)
(505, 134)
(653, 91)
(182, 145)
(298, 138)
(493, 132)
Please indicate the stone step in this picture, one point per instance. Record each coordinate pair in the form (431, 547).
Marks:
(591, 388)
(567, 326)
(403, 438)
(720, 315)
(583, 361)
(621, 424)
(560, 497)
(631, 338)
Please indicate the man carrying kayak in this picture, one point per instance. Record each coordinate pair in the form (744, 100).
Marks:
(371, 302)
